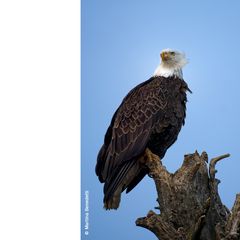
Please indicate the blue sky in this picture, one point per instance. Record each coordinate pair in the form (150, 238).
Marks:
(121, 42)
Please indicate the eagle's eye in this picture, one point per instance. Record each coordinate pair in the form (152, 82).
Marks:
(172, 53)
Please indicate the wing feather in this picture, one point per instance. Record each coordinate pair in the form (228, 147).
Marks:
(132, 125)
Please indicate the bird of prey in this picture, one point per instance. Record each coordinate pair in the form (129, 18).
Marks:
(149, 117)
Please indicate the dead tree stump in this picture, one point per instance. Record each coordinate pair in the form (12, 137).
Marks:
(189, 203)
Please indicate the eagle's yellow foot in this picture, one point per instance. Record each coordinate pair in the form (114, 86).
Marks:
(149, 156)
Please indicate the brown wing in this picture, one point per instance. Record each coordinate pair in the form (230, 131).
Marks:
(131, 127)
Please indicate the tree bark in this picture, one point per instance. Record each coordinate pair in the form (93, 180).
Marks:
(189, 203)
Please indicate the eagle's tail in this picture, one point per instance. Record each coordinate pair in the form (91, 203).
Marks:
(126, 176)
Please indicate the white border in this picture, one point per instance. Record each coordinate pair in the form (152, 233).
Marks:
(39, 119)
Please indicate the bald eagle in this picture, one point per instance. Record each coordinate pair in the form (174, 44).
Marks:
(150, 116)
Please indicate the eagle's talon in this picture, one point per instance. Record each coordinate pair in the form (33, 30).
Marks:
(150, 175)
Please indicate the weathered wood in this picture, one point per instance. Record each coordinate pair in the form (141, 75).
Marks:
(189, 203)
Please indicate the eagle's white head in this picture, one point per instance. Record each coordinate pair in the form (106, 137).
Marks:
(171, 64)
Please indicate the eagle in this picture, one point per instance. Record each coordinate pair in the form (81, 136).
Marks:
(150, 117)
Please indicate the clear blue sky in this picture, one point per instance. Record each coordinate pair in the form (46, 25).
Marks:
(121, 42)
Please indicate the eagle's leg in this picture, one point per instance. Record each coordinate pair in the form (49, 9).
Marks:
(149, 159)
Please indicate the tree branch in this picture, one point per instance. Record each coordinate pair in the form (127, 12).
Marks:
(189, 203)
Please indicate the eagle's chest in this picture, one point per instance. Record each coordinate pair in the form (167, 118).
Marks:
(168, 123)
(174, 111)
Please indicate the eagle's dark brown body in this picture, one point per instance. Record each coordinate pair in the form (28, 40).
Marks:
(150, 116)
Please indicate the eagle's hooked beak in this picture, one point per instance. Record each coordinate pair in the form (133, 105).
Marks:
(164, 56)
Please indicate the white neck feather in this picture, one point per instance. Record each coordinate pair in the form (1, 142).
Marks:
(167, 71)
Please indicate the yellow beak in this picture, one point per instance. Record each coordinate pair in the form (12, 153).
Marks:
(164, 55)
